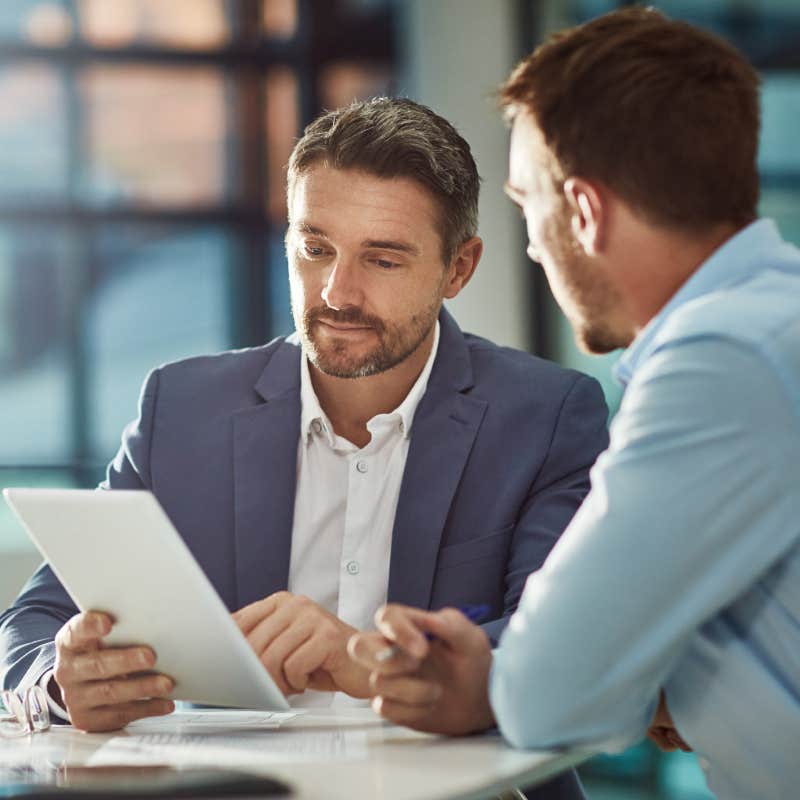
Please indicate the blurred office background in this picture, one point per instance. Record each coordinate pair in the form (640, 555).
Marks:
(142, 153)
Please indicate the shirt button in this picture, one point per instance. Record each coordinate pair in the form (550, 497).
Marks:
(361, 466)
(402, 428)
(317, 426)
(352, 567)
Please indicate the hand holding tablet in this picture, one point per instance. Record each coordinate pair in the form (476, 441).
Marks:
(172, 636)
(105, 688)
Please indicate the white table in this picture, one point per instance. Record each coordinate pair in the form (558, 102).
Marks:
(339, 754)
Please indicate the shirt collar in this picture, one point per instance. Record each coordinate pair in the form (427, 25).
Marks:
(729, 264)
(312, 412)
(408, 407)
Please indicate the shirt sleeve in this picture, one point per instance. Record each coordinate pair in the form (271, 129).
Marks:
(56, 709)
(692, 502)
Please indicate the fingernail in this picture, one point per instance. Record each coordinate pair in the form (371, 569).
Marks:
(144, 658)
(377, 703)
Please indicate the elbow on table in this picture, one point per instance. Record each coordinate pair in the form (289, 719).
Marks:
(559, 716)
(534, 731)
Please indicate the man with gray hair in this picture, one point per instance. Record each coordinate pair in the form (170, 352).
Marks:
(378, 453)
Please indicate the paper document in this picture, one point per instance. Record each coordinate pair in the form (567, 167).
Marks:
(245, 750)
(212, 720)
(228, 738)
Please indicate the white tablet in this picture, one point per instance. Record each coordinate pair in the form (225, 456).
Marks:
(117, 551)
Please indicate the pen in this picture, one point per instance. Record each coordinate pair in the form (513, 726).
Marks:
(474, 614)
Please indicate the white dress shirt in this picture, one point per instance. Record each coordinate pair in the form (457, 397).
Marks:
(344, 508)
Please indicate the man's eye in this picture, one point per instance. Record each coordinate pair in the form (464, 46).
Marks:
(313, 251)
(384, 263)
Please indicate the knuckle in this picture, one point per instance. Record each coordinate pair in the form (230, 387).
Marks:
(107, 692)
(272, 665)
(66, 633)
(61, 673)
(95, 666)
(69, 698)
(294, 677)
(276, 669)
(141, 658)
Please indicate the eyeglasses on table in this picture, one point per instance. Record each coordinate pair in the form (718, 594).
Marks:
(27, 712)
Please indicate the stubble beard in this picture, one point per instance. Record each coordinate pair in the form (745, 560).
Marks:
(395, 344)
(593, 300)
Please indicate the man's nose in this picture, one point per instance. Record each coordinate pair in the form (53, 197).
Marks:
(343, 288)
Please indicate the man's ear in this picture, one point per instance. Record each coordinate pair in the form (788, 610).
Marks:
(588, 214)
(462, 266)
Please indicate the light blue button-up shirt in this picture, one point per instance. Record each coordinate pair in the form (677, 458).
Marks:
(681, 570)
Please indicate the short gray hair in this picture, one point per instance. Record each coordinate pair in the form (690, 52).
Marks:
(398, 138)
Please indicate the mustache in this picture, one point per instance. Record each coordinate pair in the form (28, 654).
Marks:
(344, 316)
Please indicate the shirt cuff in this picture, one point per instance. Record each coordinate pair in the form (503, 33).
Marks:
(56, 709)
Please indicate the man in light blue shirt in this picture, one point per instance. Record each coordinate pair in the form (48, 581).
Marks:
(672, 602)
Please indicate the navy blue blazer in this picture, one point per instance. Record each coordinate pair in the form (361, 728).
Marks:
(498, 463)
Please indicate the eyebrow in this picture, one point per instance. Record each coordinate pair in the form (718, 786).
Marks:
(383, 244)
(304, 227)
(374, 244)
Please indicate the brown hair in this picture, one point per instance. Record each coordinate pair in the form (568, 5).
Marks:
(395, 137)
(664, 114)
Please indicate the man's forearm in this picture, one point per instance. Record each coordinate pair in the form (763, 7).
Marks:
(28, 629)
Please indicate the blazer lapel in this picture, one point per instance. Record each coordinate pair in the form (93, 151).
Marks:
(443, 432)
(264, 474)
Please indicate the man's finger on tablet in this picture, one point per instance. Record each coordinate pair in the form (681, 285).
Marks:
(110, 663)
(83, 631)
(122, 690)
